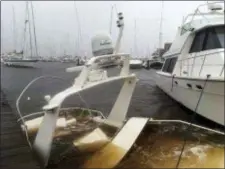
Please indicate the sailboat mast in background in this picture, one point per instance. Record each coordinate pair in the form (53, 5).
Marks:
(79, 38)
(160, 27)
(14, 30)
(110, 21)
(35, 38)
(30, 35)
(135, 39)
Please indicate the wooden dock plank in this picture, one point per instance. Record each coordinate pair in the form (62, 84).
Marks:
(15, 151)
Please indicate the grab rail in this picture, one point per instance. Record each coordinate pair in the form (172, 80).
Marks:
(204, 56)
(193, 15)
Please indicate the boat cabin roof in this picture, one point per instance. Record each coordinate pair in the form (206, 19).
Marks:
(189, 27)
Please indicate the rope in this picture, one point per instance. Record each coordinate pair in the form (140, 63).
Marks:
(25, 89)
(172, 82)
(192, 120)
(18, 102)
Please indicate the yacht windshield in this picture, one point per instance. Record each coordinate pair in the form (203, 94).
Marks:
(208, 39)
(220, 34)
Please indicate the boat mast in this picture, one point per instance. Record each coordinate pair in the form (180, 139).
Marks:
(35, 38)
(31, 47)
(79, 29)
(2, 38)
(160, 29)
(14, 30)
(111, 18)
(24, 33)
(135, 39)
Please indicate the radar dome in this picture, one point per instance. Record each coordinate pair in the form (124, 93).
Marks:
(102, 44)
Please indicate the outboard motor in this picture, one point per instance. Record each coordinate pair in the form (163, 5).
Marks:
(102, 44)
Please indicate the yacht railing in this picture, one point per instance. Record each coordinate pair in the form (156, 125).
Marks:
(202, 65)
(186, 23)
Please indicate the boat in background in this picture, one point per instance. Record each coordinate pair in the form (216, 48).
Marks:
(193, 71)
(15, 59)
(18, 59)
(136, 64)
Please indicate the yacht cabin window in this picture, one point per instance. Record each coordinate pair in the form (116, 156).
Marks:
(209, 38)
(220, 34)
(169, 64)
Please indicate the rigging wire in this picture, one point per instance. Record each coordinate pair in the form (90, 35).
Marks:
(35, 38)
(18, 102)
(24, 90)
(192, 120)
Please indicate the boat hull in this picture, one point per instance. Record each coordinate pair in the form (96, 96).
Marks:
(135, 66)
(187, 92)
(24, 63)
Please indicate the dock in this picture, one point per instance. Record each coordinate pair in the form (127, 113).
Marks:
(15, 151)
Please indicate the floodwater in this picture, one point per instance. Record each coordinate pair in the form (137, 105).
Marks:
(147, 101)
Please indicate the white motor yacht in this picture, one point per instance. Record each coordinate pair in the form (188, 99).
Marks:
(195, 63)
(136, 64)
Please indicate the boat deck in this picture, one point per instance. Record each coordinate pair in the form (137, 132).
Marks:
(15, 152)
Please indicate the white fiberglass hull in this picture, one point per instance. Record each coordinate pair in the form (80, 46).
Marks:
(187, 91)
(29, 63)
(136, 64)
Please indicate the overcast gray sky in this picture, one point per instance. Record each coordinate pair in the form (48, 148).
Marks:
(56, 24)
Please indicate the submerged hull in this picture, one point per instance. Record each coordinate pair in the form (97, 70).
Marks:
(77, 141)
(187, 92)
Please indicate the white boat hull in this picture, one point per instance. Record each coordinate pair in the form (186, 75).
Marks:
(211, 105)
(136, 64)
(20, 63)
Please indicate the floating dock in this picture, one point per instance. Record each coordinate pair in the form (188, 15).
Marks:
(15, 151)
